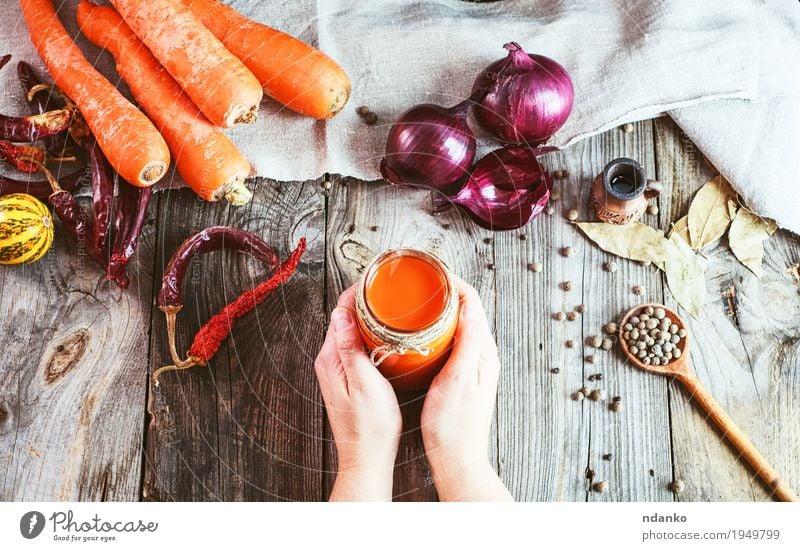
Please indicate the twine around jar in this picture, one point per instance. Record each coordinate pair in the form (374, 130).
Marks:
(395, 342)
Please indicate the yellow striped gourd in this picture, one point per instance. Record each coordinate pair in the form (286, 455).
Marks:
(26, 229)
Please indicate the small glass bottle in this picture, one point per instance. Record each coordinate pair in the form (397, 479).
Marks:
(407, 312)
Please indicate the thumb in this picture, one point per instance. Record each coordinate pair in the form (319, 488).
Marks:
(349, 344)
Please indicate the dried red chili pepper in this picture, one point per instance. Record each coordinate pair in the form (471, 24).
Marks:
(40, 189)
(41, 100)
(102, 191)
(27, 158)
(208, 340)
(209, 239)
(35, 127)
(131, 210)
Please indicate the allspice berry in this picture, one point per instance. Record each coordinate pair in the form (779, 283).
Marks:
(555, 196)
(580, 308)
(652, 208)
(600, 487)
(566, 285)
(570, 343)
(615, 406)
(363, 110)
(560, 316)
(598, 395)
(371, 118)
(607, 344)
(535, 267)
(677, 486)
(638, 290)
(610, 266)
(590, 359)
(577, 396)
(572, 316)
(549, 210)
(595, 341)
(627, 128)
(567, 251)
(611, 328)
(572, 215)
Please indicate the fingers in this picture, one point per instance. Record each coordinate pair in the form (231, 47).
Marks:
(349, 345)
(329, 370)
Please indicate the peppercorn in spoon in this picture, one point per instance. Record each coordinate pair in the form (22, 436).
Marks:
(655, 339)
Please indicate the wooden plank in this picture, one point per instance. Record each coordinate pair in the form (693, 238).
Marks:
(365, 219)
(248, 426)
(746, 349)
(72, 376)
(547, 440)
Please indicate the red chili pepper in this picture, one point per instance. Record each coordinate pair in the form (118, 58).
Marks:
(208, 340)
(35, 127)
(130, 214)
(25, 158)
(41, 100)
(40, 188)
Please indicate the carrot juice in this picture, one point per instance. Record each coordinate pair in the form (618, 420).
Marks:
(407, 307)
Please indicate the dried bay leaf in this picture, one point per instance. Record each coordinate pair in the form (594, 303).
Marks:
(635, 241)
(710, 212)
(686, 276)
(681, 229)
(746, 238)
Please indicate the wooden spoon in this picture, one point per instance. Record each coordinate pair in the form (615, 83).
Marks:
(681, 370)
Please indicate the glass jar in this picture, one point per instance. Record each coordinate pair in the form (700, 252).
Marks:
(407, 312)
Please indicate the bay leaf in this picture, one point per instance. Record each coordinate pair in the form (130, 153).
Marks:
(746, 238)
(681, 228)
(635, 241)
(686, 276)
(710, 212)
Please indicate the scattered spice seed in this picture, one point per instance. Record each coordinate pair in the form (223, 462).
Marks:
(326, 184)
(595, 377)
(566, 285)
(594, 341)
(616, 399)
(572, 215)
(606, 344)
(590, 359)
(555, 196)
(652, 209)
(567, 251)
(627, 128)
(598, 395)
(652, 472)
(616, 406)
(373, 228)
(565, 173)
(638, 290)
(585, 391)
(490, 266)
(611, 328)
(572, 316)
(363, 110)
(578, 396)
(555, 371)
(560, 316)
(522, 237)
(610, 266)
(535, 266)
(607, 456)
(487, 240)
(570, 343)
(371, 118)
(549, 210)
(558, 174)
(600, 487)
(581, 308)
(677, 486)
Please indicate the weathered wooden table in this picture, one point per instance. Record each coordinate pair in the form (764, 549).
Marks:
(79, 421)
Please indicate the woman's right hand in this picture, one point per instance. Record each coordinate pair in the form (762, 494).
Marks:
(457, 413)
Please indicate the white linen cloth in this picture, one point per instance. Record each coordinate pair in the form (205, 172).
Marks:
(727, 71)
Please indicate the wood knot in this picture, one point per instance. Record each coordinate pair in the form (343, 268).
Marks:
(66, 355)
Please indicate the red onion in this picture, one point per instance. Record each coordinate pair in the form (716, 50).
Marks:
(430, 146)
(506, 189)
(529, 97)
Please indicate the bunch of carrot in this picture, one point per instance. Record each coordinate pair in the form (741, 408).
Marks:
(193, 66)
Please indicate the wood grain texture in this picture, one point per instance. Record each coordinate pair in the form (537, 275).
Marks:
(365, 219)
(72, 376)
(551, 455)
(249, 425)
(745, 351)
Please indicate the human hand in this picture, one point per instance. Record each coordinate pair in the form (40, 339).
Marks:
(362, 410)
(457, 414)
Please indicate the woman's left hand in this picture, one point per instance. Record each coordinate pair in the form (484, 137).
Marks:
(362, 410)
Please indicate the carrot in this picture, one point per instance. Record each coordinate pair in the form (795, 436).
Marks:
(206, 159)
(295, 74)
(129, 140)
(218, 83)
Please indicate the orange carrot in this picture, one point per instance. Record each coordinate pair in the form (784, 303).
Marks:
(129, 140)
(295, 74)
(206, 159)
(218, 83)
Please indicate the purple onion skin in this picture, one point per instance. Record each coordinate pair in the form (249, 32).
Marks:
(430, 146)
(529, 97)
(506, 189)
